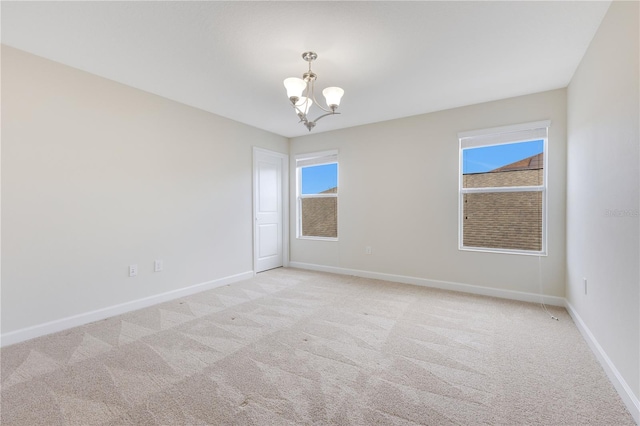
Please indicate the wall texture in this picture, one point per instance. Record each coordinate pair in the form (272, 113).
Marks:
(399, 195)
(97, 176)
(603, 233)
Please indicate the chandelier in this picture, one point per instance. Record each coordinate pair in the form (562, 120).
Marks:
(301, 104)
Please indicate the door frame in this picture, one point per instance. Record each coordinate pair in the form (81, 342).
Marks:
(285, 205)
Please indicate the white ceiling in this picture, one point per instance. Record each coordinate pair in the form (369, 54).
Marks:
(393, 59)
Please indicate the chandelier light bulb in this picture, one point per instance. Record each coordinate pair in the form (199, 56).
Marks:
(294, 87)
(333, 96)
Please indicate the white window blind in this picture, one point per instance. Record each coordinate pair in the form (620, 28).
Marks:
(506, 134)
(325, 157)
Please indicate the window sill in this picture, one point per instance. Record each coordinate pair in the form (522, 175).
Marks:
(504, 251)
(317, 238)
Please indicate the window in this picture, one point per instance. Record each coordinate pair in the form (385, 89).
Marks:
(317, 191)
(503, 188)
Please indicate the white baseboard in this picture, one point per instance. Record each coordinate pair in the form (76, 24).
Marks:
(443, 285)
(625, 392)
(100, 314)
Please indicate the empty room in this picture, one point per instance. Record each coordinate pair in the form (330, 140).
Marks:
(329, 213)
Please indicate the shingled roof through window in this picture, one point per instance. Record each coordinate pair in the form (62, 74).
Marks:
(534, 162)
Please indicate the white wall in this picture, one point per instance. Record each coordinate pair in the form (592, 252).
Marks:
(602, 175)
(97, 175)
(398, 193)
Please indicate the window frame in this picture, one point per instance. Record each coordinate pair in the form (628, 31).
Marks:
(315, 159)
(518, 133)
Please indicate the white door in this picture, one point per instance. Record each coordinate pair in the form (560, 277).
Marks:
(268, 209)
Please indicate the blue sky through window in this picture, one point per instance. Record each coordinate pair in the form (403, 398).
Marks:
(316, 179)
(486, 158)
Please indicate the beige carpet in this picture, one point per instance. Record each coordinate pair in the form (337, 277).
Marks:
(298, 347)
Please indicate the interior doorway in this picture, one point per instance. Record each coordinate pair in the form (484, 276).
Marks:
(270, 209)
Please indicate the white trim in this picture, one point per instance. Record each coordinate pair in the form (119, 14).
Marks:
(545, 192)
(99, 314)
(328, 195)
(304, 237)
(626, 394)
(492, 189)
(443, 285)
(504, 251)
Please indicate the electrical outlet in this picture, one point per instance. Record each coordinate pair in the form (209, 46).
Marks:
(133, 270)
(367, 250)
(585, 285)
(157, 265)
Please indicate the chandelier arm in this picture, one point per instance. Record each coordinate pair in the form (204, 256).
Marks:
(308, 89)
(298, 110)
(313, 96)
(302, 116)
(324, 115)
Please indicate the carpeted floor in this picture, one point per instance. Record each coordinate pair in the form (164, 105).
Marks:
(299, 347)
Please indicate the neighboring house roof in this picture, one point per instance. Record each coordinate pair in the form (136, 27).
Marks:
(534, 162)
